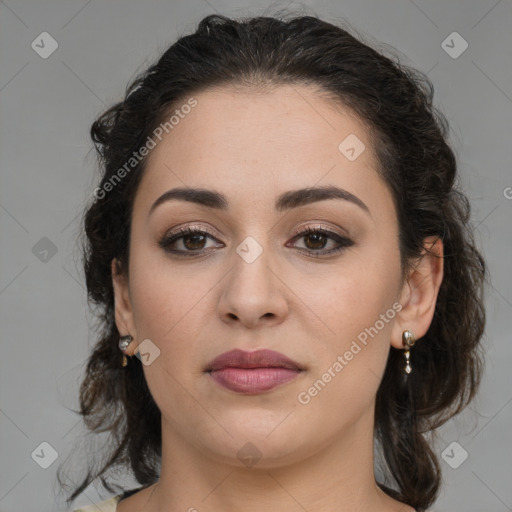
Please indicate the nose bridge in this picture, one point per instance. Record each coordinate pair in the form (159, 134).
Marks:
(252, 290)
(251, 261)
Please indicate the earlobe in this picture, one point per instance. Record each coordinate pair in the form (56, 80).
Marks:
(419, 293)
(122, 303)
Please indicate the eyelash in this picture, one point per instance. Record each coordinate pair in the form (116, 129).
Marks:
(169, 239)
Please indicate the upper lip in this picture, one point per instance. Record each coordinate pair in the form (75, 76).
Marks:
(262, 358)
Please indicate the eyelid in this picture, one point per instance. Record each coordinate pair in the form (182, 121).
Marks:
(192, 227)
(299, 230)
(296, 231)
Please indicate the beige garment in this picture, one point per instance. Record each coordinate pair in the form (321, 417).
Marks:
(109, 505)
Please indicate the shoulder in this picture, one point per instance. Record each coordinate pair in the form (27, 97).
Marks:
(109, 505)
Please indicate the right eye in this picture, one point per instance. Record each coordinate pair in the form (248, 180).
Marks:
(191, 239)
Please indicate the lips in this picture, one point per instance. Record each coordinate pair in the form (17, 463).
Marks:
(258, 359)
(252, 372)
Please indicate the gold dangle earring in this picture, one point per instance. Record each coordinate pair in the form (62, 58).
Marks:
(408, 340)
(124, 341)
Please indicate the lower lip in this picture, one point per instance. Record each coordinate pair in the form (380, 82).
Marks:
(252, 380)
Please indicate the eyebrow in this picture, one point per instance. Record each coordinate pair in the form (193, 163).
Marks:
(286, 201)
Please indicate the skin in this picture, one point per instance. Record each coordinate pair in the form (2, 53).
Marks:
(252, 146)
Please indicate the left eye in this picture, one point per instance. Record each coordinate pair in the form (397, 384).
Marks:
(318, 238)
(193, 241)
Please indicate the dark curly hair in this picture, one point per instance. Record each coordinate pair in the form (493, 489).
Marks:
(410, 140)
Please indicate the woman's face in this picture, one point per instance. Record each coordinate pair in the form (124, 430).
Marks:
(247, 279)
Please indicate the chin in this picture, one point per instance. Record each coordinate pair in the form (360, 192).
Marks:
(259, 440)
(258, 453)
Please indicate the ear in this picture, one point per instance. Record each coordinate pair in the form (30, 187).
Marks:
(122, 303)
(419, 292)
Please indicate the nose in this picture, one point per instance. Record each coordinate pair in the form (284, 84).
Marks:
(253, 294)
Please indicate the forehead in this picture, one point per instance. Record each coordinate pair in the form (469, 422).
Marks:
(254, 144)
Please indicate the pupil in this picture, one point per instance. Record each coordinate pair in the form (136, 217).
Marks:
(196, 239)
(320, 240)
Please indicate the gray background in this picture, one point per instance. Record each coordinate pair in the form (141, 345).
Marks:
(48, 172)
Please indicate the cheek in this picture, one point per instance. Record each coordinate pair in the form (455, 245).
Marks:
(158, 297)
(168, 309)
(170, 305)
(357, 306)
(347, 368)
(351, 296)
(163, 307)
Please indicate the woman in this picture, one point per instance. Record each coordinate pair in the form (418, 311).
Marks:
(286, 276)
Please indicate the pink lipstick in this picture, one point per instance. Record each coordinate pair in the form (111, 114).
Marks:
(252, 372)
